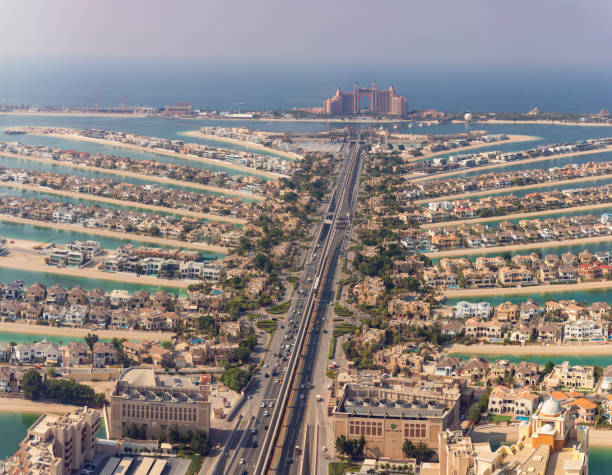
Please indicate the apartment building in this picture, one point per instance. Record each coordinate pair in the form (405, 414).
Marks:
(158, 402)
(57, 445)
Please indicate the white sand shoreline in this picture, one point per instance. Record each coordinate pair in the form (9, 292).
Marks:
(75, 332)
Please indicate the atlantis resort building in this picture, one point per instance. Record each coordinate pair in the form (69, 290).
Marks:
(382, 101)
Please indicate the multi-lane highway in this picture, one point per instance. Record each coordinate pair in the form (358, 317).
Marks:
(273, 411)
(280, 451)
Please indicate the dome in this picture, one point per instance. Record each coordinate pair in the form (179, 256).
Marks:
(467, 117)
(551, 408)
(547, 429)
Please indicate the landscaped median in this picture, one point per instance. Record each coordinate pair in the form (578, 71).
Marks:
(279, 308)
(332, 348)
(268, 326)
(343, 329)
(342, 311)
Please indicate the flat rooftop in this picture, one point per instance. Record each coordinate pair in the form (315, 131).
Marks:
(385, 408)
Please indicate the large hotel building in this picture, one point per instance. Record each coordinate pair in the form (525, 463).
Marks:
(158, 403)
(382, 101)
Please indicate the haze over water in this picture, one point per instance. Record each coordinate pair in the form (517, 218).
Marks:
(266, 85)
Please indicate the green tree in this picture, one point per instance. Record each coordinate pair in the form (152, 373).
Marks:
(91, 340)
(200, 442)
(420, 452)
(31, 384)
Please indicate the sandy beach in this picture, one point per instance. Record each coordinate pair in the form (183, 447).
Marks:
(199, 135)
(510, 189)
(526, 215)
(33, 329)
(20, 405)
(532, 289)
(435, 176)
(135, 204)
(168, 153)
(22, 257)
(126, 173)
(590, 349)
(116, 234)
(512, 139)
(600, 438)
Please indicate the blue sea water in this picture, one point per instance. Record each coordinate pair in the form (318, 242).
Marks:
(258, 85)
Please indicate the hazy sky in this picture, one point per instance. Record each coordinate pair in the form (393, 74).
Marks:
(403, 31)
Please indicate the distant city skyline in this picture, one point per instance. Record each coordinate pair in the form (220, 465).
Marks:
(559, 32)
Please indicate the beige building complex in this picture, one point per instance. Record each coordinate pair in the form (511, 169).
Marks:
(57, 445)
(158, 403)
(549, 443)
(386, 417)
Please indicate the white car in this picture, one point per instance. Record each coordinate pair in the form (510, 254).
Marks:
(263, 404)
(241, 462)
(324, 449)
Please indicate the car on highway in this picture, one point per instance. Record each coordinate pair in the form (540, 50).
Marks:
(271, 404)
(277, 381)
(266, 427)
(263, 404)
(253, 430)
(266, 414)
(241, 462)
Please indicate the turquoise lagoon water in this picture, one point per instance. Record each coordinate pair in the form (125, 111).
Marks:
(49, 279)
(14, 427)
(574, 359)
(41, 234)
